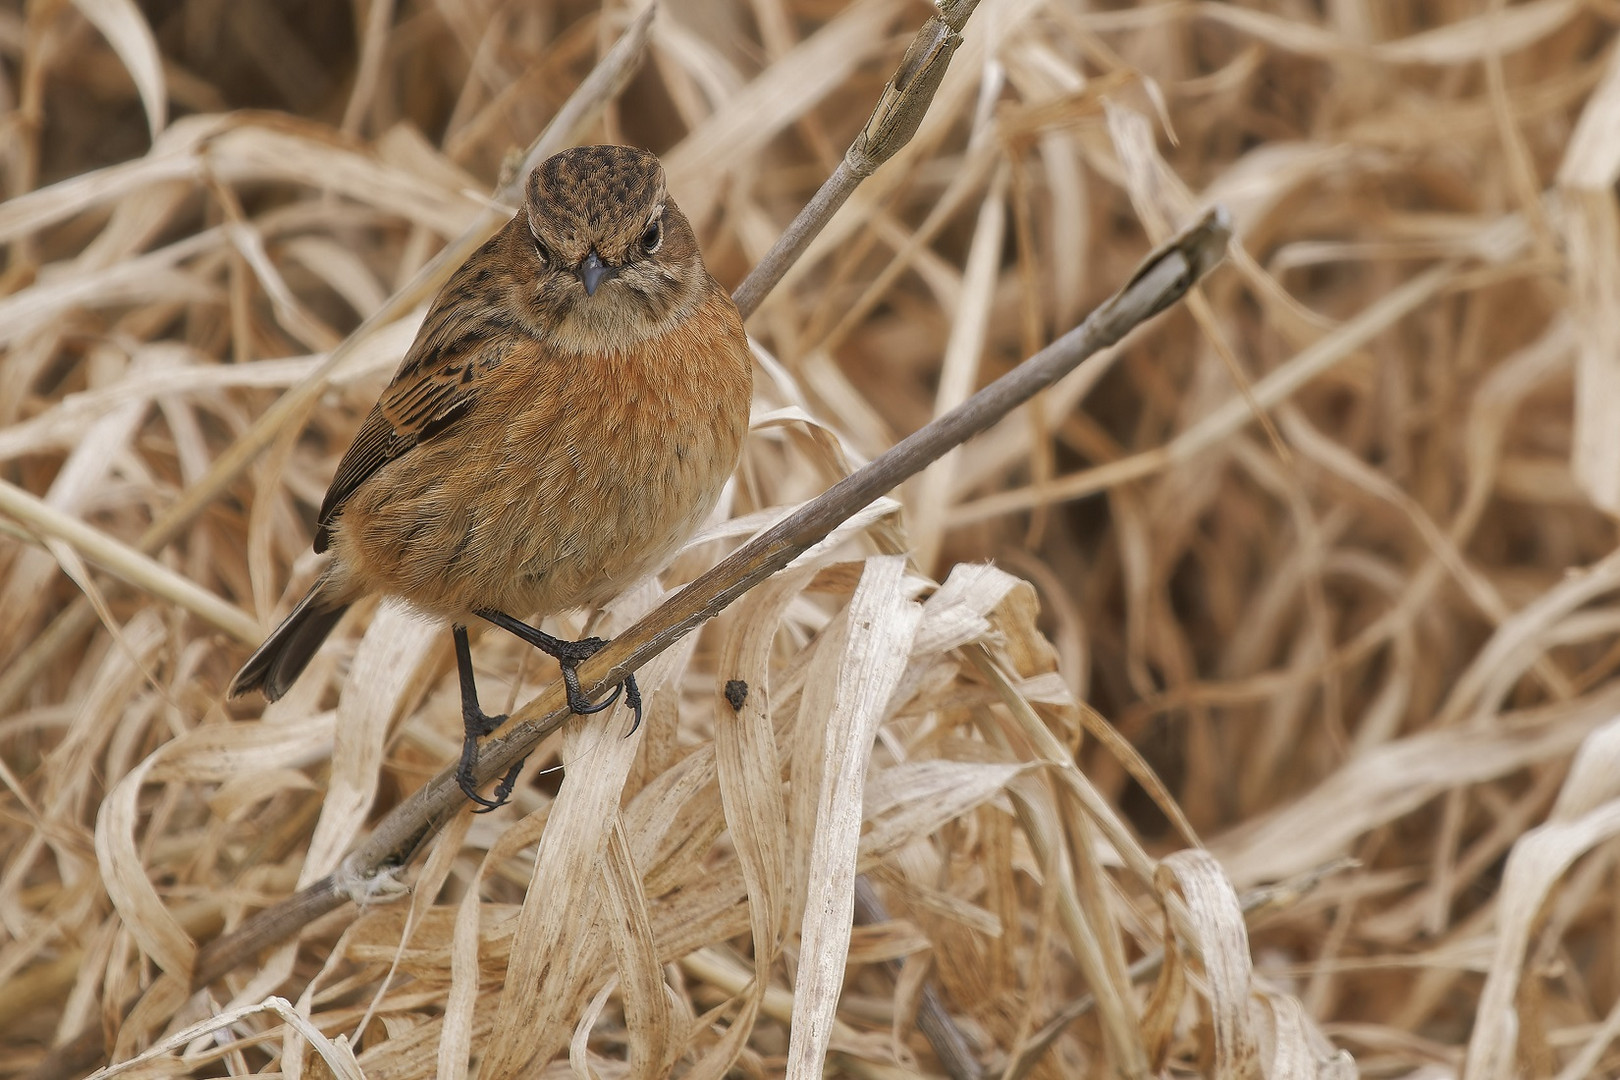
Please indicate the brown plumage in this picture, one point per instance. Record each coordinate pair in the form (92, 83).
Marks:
(566, 417)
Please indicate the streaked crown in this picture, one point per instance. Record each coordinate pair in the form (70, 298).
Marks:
(601, 197)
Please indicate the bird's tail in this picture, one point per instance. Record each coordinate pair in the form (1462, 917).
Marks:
(276, 665)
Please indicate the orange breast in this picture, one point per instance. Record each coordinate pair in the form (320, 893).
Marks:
(568, 479)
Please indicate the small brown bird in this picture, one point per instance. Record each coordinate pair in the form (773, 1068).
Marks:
(575, 399)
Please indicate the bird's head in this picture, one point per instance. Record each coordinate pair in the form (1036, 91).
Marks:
(615, 260)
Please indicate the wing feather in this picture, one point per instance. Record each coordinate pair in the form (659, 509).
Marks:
(436, 386)
(375, 446)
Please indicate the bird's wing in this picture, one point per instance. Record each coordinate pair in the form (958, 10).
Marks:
(434, 388)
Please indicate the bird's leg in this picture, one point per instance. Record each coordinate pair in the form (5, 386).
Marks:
(475, 724)
(569, 655)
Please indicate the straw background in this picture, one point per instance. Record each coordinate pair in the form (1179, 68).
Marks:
(1245, 708)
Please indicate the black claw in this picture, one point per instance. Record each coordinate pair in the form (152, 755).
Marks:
(632, 699)
(469, 785)
(582, 705)
(503, 790)
(577, 701)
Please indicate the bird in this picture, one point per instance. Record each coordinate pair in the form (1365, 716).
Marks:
(574, 402)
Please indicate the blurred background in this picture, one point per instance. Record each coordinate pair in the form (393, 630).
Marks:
(1331, 547)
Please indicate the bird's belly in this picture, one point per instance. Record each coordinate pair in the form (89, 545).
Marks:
(538, 523)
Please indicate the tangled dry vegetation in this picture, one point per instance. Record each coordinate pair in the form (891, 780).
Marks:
(1244, 706)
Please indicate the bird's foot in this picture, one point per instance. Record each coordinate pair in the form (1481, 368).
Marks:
(569, 655)
(475, 725)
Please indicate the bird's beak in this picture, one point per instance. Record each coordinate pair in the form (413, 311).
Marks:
(593, 271)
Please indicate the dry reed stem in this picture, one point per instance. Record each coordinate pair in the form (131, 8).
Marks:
(1394, 639)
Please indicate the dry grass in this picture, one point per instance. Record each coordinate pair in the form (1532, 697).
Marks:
(1214, 653)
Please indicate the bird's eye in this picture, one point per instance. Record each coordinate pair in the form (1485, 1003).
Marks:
(653, 237)
(542, 251)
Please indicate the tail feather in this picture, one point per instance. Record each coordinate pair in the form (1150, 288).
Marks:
(276, 665)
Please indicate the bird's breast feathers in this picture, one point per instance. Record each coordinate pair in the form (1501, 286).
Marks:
(570, 478)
